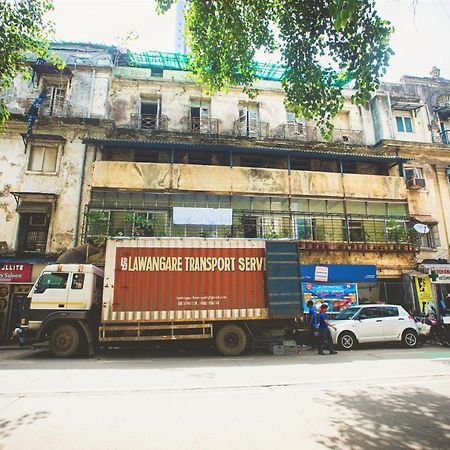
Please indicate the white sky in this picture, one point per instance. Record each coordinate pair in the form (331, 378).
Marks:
(420, 41)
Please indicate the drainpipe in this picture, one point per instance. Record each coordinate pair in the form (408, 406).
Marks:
(391, 125)
(91, 94)
(80, 195)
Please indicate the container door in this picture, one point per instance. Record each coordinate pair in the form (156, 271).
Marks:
(283, 288)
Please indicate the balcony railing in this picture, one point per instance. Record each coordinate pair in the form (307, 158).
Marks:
(331, 232)
(296, 132)
(348, 136)
(200, 125)
(57, 107)
(251, 129)
(442, 138)
(149, 121)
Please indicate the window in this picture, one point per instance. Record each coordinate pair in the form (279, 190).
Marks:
(198, 117)
(389, 311)
(249, 120)
(151, 114)
(51, 280)
(371, 313)
(430, 239)
(33, 229)
(413, 173)
(404, 124)
(43, 158)
(77, 281)
(356, 230)
(54, 103)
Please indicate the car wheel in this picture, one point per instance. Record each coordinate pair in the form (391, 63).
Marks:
(409, 338)
(347, 340)
(231, 340)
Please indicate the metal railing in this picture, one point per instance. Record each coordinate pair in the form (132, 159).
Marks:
(331, 232)
(442, 138)
(200, 125)
(57, 107)
(347, 136)
(293, 131)
(149, 121)
(251, 128)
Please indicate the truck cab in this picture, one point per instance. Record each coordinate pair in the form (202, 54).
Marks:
(64, 308)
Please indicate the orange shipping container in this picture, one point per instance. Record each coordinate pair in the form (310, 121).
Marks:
(160, 279)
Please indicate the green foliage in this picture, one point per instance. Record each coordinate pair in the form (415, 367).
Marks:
(23, 30)
(323, 43)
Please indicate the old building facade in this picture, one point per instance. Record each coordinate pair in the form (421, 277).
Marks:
(123, 140)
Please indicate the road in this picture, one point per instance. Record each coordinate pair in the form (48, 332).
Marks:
(371, 398)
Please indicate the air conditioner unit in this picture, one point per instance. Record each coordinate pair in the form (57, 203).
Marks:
(415, 183)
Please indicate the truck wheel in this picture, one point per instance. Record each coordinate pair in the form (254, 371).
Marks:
(64, 341)
(231, 340)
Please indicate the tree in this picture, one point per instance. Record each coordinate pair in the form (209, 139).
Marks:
(23, 30)
(323, 44)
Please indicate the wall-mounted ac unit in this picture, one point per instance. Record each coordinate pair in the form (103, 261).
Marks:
(415, 183)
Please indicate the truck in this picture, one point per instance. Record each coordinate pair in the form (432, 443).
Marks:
(230, 291)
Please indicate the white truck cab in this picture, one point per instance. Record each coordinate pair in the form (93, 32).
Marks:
(65, 305)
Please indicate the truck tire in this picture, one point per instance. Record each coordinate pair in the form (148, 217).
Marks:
(231, 340)
(64, 341)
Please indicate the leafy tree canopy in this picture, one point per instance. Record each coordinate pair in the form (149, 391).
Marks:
(23, 30)
(322, 44)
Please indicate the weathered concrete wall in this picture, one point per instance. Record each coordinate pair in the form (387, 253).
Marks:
(316, 183)
(374, 187)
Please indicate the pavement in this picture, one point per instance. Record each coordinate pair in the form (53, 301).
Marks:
(185, 398)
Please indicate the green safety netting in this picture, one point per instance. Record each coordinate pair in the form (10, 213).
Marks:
(179, 61)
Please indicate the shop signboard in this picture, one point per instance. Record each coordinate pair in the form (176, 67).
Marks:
(339, 273)
(424, 291)
(439, 273)
(321, 274)
(15, 273)
(337, 296)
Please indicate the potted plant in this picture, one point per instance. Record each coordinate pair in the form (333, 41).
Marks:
(141, 224)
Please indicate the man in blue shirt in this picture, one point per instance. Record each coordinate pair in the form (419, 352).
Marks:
(324, 331)
(312, 324)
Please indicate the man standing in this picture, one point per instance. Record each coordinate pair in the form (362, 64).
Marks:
(324, 331)
(312, 324)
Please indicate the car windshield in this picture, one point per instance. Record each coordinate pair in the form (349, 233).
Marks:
(347, 313)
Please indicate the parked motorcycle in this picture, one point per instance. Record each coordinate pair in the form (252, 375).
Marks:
(434, 329)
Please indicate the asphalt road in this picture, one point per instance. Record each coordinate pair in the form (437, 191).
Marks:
(180, 398)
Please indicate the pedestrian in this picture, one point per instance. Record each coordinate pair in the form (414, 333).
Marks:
(312, 324)
(324, 331)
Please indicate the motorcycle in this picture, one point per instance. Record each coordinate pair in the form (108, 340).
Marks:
(434, 329)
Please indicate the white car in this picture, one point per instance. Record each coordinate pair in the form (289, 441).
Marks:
(374, 323)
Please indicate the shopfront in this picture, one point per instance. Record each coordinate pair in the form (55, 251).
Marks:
(15, 283)
(439, 275)
(337, 285)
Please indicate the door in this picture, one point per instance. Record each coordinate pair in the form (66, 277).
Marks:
(369, 327)
(50, 291)
(80, 291)
(393, 324)
(249, 119)
(199, 115)
(283, 285)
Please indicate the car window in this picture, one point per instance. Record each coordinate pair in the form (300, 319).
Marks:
(389, 311)
(346, 314)
(371, 313)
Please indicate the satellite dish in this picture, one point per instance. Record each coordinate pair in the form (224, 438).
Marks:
(421, 228)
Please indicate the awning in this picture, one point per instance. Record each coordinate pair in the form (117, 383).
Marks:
(407, 106)
(34, 202)
(424, 218)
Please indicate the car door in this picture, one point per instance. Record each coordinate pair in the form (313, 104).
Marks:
(393, 324)
(369, 326)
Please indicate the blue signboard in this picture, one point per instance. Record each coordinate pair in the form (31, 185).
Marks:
(337, 296)
(341, 273)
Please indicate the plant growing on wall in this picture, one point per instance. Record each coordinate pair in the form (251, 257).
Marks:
(97, 226)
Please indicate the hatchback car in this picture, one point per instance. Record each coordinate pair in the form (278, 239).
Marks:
(374, 323)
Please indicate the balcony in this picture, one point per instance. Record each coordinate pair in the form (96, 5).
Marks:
(251, 129)
(293, 131)
(197, 125)
(149, 121)
(58, 107)
(441, 138)
(347, 136)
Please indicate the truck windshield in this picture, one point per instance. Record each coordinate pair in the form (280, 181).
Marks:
(348, 313)
(48, 280)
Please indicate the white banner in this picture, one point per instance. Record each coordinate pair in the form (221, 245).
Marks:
(202, 216)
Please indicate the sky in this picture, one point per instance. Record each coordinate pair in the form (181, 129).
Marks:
(421, 39)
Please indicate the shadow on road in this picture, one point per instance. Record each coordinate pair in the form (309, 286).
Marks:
(387, 419)
(8, 426)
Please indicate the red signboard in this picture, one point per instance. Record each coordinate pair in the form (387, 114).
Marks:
(15, 273)
(188, 278)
